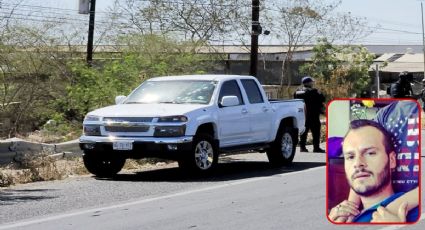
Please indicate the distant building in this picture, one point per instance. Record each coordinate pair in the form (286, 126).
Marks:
(399, 58)
(235, 59)
(392, 64)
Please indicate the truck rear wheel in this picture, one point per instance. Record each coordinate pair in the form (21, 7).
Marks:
(282, 150)
(203, 156)
(103, 164)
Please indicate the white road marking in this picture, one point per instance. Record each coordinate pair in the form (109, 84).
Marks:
(76, 213)
(394, 227)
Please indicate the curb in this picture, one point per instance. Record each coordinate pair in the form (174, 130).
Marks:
(13, 149)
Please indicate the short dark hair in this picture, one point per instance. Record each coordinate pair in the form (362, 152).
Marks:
(360, 123)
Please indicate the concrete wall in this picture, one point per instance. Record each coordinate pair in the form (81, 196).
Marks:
(13, 149)
(269, 72)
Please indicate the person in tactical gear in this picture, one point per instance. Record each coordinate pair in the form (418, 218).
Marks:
(402, 88)
(422, 95)
(313, 100)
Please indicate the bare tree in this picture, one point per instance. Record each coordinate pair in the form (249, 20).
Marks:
(194, 20)
(301, 22)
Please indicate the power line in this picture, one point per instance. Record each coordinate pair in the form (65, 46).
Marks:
(62, 14)
(32, 11)
(39, 16)
(386, 21)
(31, 7)
(41, 7)
(103, 23)
(198, 3)
(394, 30)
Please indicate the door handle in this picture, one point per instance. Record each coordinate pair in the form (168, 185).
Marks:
(265, 109)
(244, 111)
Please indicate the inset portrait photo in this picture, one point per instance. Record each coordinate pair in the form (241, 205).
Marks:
(373, 161)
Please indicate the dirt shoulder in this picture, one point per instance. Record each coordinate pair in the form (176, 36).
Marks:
(45, 167)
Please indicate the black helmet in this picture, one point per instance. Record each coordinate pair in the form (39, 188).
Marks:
(405, 75)
(307, 79)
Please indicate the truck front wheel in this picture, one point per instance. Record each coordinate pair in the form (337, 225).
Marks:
(103, 164)
(282, 150)
(203, 156)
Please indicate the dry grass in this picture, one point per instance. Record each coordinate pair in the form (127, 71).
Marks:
(44, 167)
(48, 137)
(40, 167)
(5, 179)
(144, 164)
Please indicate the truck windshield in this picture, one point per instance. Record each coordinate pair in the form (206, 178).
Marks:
(173, 92)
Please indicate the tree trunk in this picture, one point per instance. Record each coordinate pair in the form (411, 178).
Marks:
(282, 77)
(286, 73)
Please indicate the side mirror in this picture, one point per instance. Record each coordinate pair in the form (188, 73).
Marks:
(228, 101)
(119, 99)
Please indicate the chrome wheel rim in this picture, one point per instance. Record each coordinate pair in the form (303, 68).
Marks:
(286, 145)
(204, 155)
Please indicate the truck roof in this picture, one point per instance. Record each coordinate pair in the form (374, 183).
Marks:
(208, 77)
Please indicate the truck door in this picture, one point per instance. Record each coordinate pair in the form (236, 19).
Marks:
(260, 112)
(233, 120)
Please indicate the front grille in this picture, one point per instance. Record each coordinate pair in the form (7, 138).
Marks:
(127, 119)
(131, 129)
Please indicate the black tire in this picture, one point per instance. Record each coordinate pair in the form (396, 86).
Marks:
(103, 164)
(282, 150)
(203, 157)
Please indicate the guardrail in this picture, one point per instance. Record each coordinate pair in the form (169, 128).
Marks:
(13, 149)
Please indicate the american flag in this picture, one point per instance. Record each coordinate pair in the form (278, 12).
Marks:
(401, 119)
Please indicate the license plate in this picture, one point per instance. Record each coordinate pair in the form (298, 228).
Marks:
(122, 145)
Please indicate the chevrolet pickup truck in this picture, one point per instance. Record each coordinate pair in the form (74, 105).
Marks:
(191, 119)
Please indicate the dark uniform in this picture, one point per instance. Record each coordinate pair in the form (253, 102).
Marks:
(313, 100)
(402, 87)
(422, 96)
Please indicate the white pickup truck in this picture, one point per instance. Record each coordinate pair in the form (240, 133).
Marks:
(191, 119)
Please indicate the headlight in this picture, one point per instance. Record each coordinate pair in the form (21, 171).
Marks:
(173, 119)
(91, 130)
(91, 118)
(169, 131)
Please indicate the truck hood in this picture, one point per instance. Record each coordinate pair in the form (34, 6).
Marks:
(146, 110)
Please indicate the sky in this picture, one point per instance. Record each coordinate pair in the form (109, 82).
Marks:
(398, 21)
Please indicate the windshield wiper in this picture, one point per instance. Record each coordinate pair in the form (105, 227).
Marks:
(169, 102)
(159, 102)
(135, 102)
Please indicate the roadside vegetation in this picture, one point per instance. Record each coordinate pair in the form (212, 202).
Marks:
(58, 105)
(341, 71)
(46, 88)
(40, 167)
(44, 166)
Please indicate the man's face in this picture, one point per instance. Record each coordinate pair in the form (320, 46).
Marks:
(367, 165)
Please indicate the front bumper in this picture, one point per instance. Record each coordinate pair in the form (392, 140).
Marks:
(167, 148)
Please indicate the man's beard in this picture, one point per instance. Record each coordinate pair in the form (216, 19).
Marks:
(383, 179)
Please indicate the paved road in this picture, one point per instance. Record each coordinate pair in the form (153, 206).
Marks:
(244, 195)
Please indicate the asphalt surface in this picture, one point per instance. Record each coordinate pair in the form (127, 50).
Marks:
(245, 193)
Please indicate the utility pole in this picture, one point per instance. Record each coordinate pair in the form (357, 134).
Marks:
(255, 31)
(377, 81)
(423, 36)
(91, 31)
